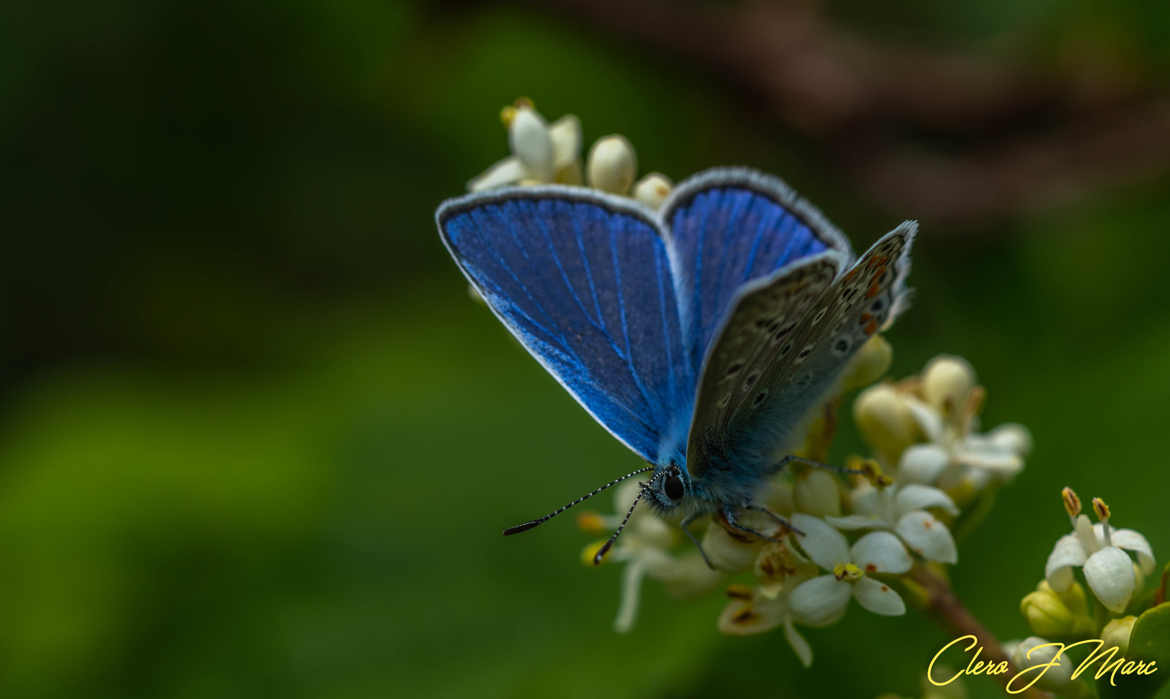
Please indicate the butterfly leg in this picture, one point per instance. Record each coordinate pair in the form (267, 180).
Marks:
(784, 523)
(686, 527)
(728, 513)
(792, 458)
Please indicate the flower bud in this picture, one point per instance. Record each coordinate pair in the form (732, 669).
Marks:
(1057, 615)
(1117, 633)
(652, 189)
(531, 143)
(947, 382)
(885, 421)
(1034, 652)
(729, 553)
(612, 165)
(868, 365)
(817, 493)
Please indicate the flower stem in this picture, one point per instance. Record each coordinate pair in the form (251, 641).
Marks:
(948, 610)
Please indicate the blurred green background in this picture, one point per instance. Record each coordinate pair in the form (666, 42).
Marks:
(255, 440)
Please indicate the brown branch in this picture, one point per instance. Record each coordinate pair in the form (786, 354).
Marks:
(1100, 127)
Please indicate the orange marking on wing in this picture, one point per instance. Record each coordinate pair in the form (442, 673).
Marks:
(871, 327)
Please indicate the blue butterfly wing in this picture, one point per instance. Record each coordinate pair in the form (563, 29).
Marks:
(730, 227)
(583, 281)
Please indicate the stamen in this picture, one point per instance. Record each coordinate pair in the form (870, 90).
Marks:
(1102, 512)
(871, 470)
(1072, 503)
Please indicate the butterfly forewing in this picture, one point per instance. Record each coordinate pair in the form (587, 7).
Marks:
(732, 227)
(583, 282)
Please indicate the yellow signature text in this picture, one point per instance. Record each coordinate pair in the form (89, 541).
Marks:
(1111, 663)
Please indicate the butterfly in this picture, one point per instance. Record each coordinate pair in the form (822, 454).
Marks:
(699, 334)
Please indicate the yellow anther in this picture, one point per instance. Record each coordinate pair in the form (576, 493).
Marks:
(523, 103)
(742, 592)
(507, 115)
(871, 470)
(590, 522)
(847, 572)
(1072, 503)
(590, 552)
(1101, 509)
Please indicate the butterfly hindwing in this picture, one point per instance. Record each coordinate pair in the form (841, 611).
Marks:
(760, 327)
(730, 227)
(756, 423)
(583, 281)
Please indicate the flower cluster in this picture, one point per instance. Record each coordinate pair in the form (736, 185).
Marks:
(855, 533)
(544, 153)
(1115, 563)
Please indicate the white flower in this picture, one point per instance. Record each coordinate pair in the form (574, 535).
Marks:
(954, 454)
(824, 599)
(1098, 551)
(540, 153)
(752, 612)
(902, 510)
(645, 549)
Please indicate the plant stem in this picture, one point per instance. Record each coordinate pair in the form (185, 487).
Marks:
(948, 610)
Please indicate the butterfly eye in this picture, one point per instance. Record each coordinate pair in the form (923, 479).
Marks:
(674, 487)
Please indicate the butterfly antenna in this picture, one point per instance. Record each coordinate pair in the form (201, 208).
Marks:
(541, 520)
(617, 532)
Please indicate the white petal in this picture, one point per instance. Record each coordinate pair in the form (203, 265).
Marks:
(927, 418)
(923, 463)
(877, 597)
(1109, 573)
(851, 522)
(823, 544)
(507, 171)
(881, 552)
(744, 618)
(1067, 553)
(820, 601)
(566, 140)
(866, 500)
(1012, 437)
(928, 537)
(1131, 540)
(532, 144)
(981, 453)
(919, 497)
(799, 645)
